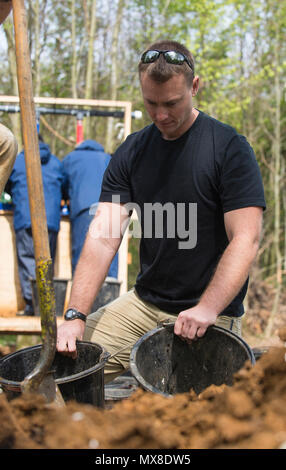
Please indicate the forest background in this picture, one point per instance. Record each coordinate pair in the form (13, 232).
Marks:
(90, 49)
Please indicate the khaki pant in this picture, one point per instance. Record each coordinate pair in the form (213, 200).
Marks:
(8, 153)
(123, 321)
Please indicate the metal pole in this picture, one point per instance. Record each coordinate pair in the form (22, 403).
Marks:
(79, 128)
(44, 274)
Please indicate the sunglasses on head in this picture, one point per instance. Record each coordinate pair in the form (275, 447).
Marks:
(172, 57)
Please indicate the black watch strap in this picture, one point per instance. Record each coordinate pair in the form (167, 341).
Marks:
(73, 314)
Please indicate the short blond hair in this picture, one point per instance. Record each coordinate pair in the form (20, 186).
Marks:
(160, 70)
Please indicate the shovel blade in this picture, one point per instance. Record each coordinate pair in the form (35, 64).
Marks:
(50, 390)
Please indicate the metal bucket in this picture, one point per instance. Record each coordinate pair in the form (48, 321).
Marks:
(163, 363)
(80, 379)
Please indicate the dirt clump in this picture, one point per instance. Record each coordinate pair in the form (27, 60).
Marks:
(250, 414)
(259, 306)
(6, 349)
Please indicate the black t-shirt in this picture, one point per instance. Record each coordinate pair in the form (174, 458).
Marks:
(190, 183)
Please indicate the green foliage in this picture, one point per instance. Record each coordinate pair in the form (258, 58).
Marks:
(134, 267)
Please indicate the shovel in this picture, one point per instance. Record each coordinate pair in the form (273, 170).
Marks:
(40, 380)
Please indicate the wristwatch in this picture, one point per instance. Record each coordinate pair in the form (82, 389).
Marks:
(72, 314)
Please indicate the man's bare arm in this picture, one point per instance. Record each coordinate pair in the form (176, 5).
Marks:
(101, 244)
(243, 227)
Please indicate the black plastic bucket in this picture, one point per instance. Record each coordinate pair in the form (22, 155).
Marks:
(163, 363)
(80, 379)
(60, 287)
(109, 291)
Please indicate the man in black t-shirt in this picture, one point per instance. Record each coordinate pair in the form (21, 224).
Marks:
(197, 189)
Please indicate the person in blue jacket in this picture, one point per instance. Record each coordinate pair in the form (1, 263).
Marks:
(53, 182)
(84, 168)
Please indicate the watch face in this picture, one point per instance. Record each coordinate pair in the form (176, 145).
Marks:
(70, 314)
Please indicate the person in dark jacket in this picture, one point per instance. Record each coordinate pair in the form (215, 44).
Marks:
(53, 181)
(84, 168)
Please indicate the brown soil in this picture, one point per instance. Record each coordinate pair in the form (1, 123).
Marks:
(259, 305)
(4, 350)
(250, 414)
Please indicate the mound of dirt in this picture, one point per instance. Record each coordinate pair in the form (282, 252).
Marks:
(259, 305)
(249, 414)
(4, 350)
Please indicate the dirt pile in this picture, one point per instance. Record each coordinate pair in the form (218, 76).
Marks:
(259, 305)
(250, 414)
(4, 350)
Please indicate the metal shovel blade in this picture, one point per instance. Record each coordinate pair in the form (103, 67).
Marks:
(49, 389)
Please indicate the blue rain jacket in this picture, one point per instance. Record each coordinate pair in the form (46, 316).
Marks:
(53, 182)
(84, 168)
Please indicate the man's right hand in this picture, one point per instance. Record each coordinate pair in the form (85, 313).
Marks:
(68, 333)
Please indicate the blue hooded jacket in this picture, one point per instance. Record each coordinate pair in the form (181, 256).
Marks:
(84, 168)
(53, 180)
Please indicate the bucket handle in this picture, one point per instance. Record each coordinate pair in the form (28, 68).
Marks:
(119, 351)
(164, 323)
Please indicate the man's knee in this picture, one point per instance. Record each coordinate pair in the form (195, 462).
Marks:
(8, 142)
(8, 153)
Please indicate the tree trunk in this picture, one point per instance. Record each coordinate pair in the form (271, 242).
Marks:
(74, 52)
(277, 179)
(37, 73)
(15, 118)
(89, 67)
(109, 138)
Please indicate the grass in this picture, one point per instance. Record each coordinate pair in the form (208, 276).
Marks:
(8, 340)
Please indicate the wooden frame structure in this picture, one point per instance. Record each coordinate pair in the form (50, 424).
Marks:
(126, 106)
(32, 325)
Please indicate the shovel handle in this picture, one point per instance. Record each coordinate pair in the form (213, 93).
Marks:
(36, 199)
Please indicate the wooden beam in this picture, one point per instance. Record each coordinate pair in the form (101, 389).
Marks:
(123, 250)
(23, 325)
(127, 119)
(69, 101)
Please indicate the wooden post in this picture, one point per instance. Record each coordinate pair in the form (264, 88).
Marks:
(44, 273)
(123, 250)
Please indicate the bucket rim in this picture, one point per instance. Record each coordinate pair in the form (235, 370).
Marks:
(147, 386)
(14, 385)
(112, 280)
